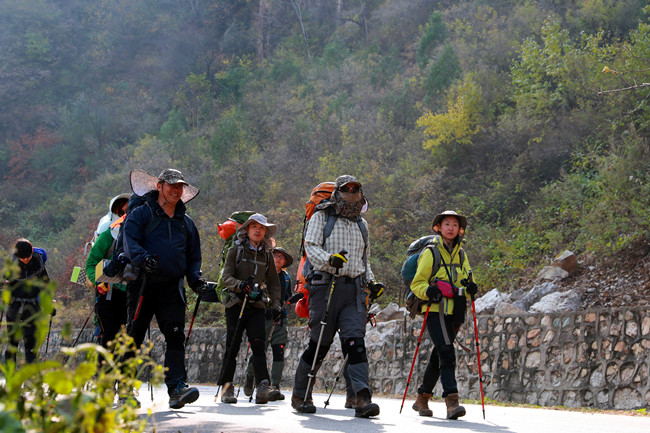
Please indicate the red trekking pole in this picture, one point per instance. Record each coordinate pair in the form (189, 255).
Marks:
(417, 348)
(478, 351)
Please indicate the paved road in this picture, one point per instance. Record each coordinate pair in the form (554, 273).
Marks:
(205, 415)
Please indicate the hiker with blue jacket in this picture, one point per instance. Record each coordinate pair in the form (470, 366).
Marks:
(163, 242)
(340, 260)
(443, 291)
(24, 303)
(250, 276)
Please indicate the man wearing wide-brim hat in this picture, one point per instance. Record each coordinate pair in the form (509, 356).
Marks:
(164, 243)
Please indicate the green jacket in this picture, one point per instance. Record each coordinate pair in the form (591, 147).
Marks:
(100, 251)
(423, 274)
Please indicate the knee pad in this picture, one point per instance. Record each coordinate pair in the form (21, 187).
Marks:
(356, 350)
(174, 336)
(278, 352)
(310, 352)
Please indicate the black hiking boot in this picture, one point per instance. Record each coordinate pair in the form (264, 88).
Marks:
(182, 395)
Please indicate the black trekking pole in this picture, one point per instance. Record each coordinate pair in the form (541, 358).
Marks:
(196, 310)
(323, 323)
(417, 348)
(227, 361)
(478, 351)
(79, 335)
(49, 330)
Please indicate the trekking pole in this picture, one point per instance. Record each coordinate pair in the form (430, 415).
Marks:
(141, 297)
(478, 351)
(79, 335)
(417, 348)
(196, 310)
(49, 330)
(229, 351)
(150, 368)
(323, 323)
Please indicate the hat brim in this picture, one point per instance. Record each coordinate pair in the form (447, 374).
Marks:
(288, 259)
(270, 228)
(462, 220)
(143, 182)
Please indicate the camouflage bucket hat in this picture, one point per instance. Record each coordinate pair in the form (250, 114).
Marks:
(143, 182)
(345, 179)
(461, 219)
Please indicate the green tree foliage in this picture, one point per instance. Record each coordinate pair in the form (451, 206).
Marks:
(508, 97)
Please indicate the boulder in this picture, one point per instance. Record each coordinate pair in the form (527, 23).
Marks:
(504, 308)
(391, 312)
(534, 295)
(552, 273)
(567, 261)
(558, 302)
(486, 303)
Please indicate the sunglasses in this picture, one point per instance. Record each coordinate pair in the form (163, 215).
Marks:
(352, 189)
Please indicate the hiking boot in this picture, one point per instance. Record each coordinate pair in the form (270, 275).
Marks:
(421, 405)
(351, 402)
(277, 388)
(182, 395)
(228, 394)
(302, 406)
(365, 408)
(454, 410)
(249, 385)
(265, 393)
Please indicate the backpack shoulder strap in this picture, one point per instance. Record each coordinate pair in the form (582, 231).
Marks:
(329, 223)
(436, 260)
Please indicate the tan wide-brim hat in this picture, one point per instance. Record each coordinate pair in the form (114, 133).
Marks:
(261, 219)
(143, 182)
(462, 220)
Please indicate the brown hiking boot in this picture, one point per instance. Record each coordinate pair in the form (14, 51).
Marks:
(454, 410)
(351, 402)
(265, 393)
(365, 408)
(228, 394)
(421, 405)
(302, 406)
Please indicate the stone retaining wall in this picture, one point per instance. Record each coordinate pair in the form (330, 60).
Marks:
(597, 359)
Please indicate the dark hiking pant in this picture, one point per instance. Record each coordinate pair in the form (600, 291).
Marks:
(442, 362)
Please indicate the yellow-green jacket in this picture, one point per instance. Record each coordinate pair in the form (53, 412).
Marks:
(423, 274)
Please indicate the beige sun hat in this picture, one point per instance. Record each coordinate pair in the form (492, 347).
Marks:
(261, 219)
(462, 220)
(143, 182)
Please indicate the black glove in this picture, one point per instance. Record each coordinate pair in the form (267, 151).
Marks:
(200, 286)
(268, 314)
(116, 265)
(433, 293)
(472, 288)
(53, 313)
(276, 314)
(337, 260)
(376, 290)
(295, 298)
(150, 264)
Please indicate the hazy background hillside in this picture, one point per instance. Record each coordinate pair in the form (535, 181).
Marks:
(531, 117)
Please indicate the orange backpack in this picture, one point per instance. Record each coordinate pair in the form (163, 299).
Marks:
(323, 191)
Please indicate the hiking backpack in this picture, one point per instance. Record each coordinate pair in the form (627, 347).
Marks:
(410, 266)
(228, 232)
(321, 193)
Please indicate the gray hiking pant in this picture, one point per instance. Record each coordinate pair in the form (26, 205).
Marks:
(347, 315)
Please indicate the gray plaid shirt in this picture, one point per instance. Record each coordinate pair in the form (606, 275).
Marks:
(345, 236)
